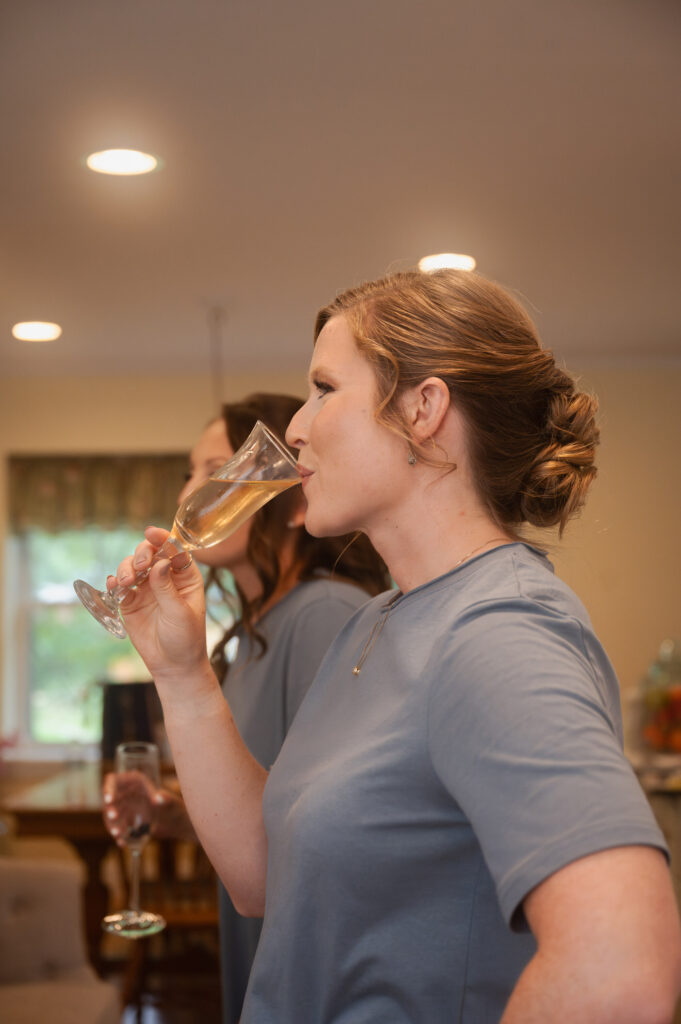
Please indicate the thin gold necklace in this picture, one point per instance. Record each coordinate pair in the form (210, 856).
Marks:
(377, 627)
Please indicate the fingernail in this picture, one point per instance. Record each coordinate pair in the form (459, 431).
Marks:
(111, 813)
(107, 798)
(115, 831)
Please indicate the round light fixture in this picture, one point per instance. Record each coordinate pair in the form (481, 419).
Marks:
(121, 161)
(36, 330)
(455, 260)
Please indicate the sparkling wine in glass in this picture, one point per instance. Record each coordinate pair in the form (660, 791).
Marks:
(138, 766)
(256, 473)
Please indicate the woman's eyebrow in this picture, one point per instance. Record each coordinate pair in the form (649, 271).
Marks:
(319, 371)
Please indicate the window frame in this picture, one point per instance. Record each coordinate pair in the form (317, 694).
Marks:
(143, 489)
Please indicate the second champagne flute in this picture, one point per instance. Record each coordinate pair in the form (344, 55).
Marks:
(138, 766)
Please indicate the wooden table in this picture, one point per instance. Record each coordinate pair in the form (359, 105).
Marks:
(68, 804)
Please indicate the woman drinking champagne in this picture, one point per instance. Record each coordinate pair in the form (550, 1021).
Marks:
(451, 831)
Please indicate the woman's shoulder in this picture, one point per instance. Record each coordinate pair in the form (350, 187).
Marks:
(326, 590)
(515, 575)
(507, 600)
(311, 615)
(525, 574)
(315, 605)
(513, 618)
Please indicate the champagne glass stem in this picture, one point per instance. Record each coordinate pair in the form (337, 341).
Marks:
(167, 550)
(134, 900)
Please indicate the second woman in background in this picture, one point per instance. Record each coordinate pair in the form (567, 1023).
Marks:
(295, 592)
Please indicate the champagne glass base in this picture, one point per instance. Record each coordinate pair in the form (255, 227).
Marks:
(133, 924)
(101, 606)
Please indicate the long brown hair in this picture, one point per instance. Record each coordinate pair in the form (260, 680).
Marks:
(350, 557)
(531, 433)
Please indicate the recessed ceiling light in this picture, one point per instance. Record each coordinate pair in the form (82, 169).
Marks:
(121, 161)
(36, 330)
(456, 260)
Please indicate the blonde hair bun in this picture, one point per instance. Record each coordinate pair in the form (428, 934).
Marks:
(532, 435)
(557, 483)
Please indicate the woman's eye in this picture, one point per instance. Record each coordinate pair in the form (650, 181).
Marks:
(322, 387)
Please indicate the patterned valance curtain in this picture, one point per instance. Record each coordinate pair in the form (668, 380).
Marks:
(59, 492)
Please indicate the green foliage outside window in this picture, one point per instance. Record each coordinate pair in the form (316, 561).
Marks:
(69, 654)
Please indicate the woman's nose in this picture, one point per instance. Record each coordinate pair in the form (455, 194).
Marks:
(295, 435)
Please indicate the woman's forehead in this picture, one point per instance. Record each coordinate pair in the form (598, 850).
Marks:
(213, 440)
(335, 346)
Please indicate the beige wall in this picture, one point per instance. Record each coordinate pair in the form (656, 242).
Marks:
(623, 556)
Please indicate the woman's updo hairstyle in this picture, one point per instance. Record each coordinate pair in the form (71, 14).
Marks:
(531, 434)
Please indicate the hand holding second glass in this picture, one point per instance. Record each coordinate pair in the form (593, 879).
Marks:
(138, 768)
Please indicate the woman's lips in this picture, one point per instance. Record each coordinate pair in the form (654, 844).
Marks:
(304, 474)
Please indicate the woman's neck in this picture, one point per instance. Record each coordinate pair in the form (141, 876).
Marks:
(250, 584)
(247, 581)
(429, 538)
(287, 581)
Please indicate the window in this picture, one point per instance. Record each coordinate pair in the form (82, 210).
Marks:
(71, 517)
(66, 654)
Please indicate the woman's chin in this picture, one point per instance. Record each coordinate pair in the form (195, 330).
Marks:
(320, 526)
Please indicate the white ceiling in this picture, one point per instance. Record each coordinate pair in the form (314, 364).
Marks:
(309, 145)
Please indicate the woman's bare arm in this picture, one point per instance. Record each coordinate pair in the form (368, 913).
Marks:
(609, 943)
(221, 783)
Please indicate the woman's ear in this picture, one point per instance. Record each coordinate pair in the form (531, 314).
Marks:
(425, 407)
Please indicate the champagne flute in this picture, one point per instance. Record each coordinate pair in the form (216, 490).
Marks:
(256, 473)
(141, 760)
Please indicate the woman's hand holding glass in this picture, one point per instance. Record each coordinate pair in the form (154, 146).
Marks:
(256, 473)
(165, 618)
(121, 792)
